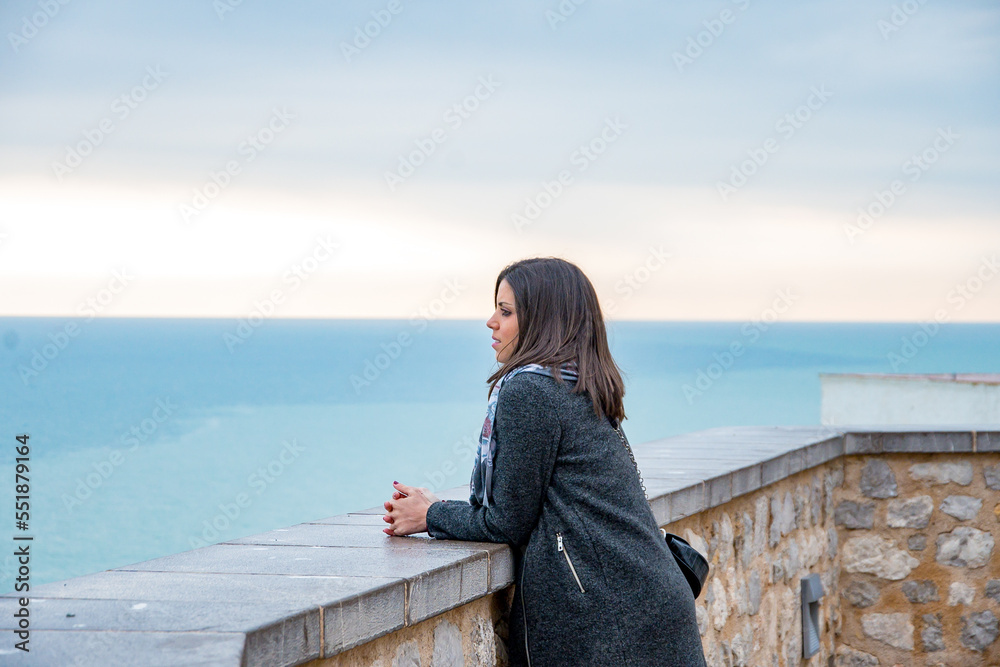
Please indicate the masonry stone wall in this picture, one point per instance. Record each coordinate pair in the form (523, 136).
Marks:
(472, 635)
(920, 576)
(760, 546)
(900, 525)
(904, 544)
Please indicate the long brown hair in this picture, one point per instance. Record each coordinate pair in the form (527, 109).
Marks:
(559, 320)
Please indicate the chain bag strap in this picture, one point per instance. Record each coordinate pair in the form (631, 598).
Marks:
(692, 564)
(632, 456)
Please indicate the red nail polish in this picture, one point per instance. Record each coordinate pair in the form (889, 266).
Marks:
(395, 482)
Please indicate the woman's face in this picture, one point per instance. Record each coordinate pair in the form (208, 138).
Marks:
(504, 323)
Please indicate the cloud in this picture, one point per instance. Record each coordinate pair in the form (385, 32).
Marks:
(558, 84)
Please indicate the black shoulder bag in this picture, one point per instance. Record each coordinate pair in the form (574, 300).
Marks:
(692, 564)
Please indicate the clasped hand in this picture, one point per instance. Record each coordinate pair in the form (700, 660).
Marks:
(406, 513)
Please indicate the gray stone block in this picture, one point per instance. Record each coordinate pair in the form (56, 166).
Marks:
(894, 629)
(687, 501)
(447, 646)
(743, 539)
(782, 517)
(988, 441)
(774, 470)
(355, 535)
(963, 508)
(822, 452)
(314, 561)
(86, 648)
(992, 590)
(979, 630)
(932, 635)
(284, 640)
(920, 592)
(927, 442)
(991, 475)
(440, 578)
(878, 480)
(501, 569)
(831, 542)
(799, 500)
(850, 657)
(816, 504)
(887, 440)
(660, 505)
(334, 535)
(248, 589)
(295, 628)
(407, 655)
(861, 594)
(863, 443)
(909, 512)
(854, 516)
(754, 592)
(796, 461)
(746, 480)
(943, 473)
(720, 490)
(960, 593)
(876, 555)
(363, 618)
(444, 589)
(916, 542)
(964, 547)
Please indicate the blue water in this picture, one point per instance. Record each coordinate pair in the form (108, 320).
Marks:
(151, 436)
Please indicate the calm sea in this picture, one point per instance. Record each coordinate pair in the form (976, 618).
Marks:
(152, 436)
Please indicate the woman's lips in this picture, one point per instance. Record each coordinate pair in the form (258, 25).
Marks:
(495, 343)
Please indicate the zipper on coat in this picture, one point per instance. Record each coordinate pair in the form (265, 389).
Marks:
(559, 546)
(524, 617)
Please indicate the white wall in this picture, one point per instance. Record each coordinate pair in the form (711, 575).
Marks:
(909, 399)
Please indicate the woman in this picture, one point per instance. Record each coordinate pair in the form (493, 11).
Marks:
(596, 583)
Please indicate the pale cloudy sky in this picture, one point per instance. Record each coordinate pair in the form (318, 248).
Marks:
(712, 155)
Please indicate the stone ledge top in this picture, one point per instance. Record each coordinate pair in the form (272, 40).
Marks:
(962, 378)
(313, 590)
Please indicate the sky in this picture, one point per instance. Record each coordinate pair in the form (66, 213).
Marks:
(832, 161)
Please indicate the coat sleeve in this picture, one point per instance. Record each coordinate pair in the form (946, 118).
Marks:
(528, 434)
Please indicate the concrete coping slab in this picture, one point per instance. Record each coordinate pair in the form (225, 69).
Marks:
(313, 590)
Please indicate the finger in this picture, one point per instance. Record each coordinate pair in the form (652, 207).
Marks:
(388, 531)
(388, 505)
(387, 518)
(408, 490)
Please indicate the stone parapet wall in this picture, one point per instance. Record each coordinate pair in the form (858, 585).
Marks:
(471, 635)
(920, 576)
(760, 546)
(904, 545)
(900, 524)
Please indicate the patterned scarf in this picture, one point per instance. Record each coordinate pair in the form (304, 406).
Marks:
(481, 485)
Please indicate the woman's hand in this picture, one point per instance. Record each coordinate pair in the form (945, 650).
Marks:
(406, 513)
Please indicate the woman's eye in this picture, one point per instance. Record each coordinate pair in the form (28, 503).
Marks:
(505, 312)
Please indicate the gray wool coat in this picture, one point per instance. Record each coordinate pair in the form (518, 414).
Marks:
(595, 583)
